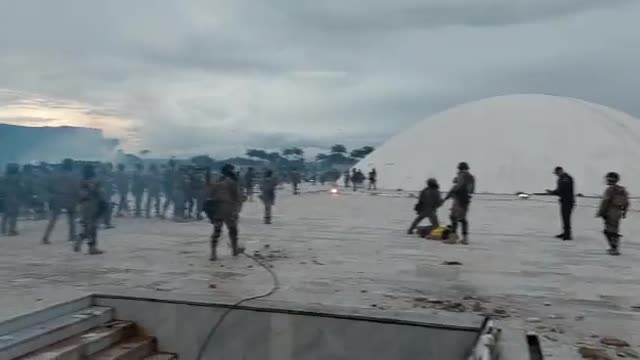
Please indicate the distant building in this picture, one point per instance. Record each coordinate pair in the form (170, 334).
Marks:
(512, 143)
(51, 144)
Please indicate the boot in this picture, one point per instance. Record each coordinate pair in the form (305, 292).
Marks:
(267, 220)
(46, 241)
(77, 246)
(214, 250)
(93, 250)
(560, 236)
(465, 240)
(453, 238)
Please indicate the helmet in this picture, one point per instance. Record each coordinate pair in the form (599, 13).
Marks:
(612, 177)
(228, 170)
(432, 183)
(67, 164)
(463, 166)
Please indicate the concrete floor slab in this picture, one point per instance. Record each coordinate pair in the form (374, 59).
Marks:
(351, 251)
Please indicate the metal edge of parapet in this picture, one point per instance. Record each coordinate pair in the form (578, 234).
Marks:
(335, 312)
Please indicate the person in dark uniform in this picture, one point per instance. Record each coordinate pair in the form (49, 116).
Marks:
(565, 193)
(427, 207)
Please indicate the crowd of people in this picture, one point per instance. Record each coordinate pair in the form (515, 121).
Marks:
(94, 193)
(613, 207)
(356, 178)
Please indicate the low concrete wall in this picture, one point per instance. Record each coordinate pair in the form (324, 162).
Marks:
(268, 334)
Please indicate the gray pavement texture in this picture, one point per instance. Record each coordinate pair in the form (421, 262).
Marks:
(351, 250)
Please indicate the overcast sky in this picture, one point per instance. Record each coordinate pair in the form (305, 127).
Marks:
(218, 76)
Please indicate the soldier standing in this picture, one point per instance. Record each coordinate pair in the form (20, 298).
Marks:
(153, 185)
(268, 194)
(224, 203)
(296, 178)
(122, 185)
(198, 191)
(168, 177)
(463, 187)
(13, 194)
(346, 178)
(107, 186)
(180, 189)
(63, 193)
(92, 206)
(137, 189)
(249, 178)
(565, 192)
(373, 179)
(427, 207)
(613, 208)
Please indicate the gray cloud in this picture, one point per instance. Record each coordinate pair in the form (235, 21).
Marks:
(221, 76)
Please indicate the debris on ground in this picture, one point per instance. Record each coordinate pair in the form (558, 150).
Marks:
(579, 318)
(266, 246)
(628, 353)
(550, 338)
(451, 263)
(593, 353)
(611, 341)
(212, 286)
(547, 304)
(554, 316)
(533, 320)
(477, 307)
(364, 291)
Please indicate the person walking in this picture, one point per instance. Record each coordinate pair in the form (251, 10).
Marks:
(92, 208)
(268, 194)
(223, 208)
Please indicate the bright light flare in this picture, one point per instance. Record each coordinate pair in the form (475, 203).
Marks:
(333, 191)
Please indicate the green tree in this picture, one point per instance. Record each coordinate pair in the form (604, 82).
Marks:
(362, 152)
(339, 149)
(203, 161)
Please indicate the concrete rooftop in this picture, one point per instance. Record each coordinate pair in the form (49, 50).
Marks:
(350, 250)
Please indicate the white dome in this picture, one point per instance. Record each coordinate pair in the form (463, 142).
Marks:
(512, 143)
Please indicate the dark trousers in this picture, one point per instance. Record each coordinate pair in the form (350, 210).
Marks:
(566, 208)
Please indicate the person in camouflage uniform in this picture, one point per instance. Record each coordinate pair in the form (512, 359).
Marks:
(463, 187)
(249, 179)
(268, 194)
(106, 179)
(63, 194)
(137, 189)
(427, 206)
(168, 177)
(13, 192)
(296, 179)
(154, 188)
(29, 199)
(122, 185)
(180, 190)
(224, 202)
(92, 206)
(198, 191)
(613, 208)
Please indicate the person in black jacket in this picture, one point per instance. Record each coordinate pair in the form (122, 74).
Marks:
(427, 207)
(565, 193)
